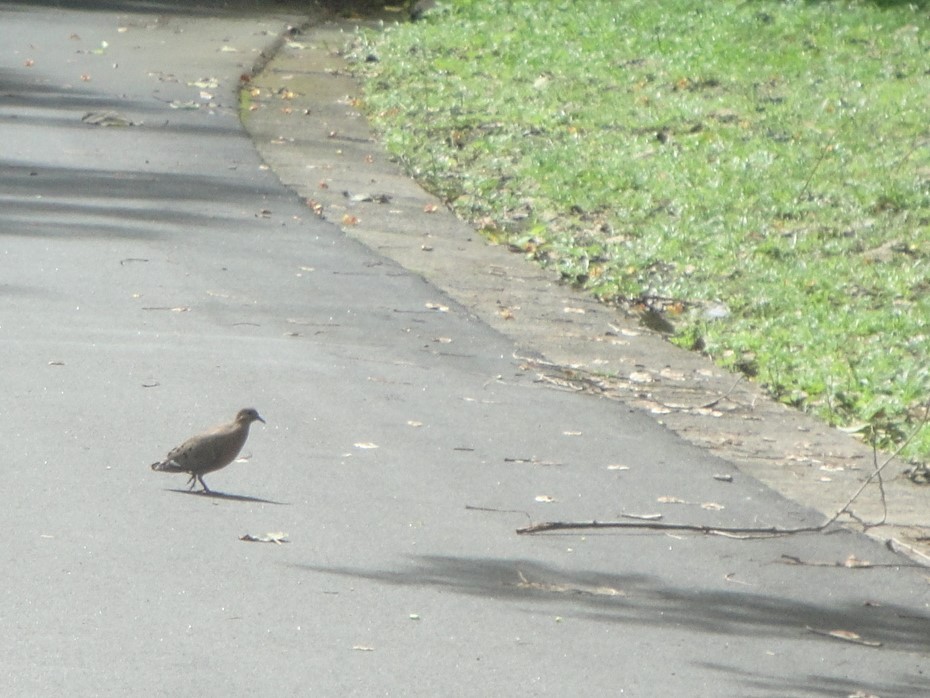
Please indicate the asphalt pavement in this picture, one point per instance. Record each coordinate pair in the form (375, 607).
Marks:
(156, 276)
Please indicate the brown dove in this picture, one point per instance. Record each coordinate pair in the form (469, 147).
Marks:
(211, 450)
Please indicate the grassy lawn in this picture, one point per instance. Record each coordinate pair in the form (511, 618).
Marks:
(758, 172)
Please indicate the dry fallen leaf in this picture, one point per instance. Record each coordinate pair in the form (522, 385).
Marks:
(437, 306)
(669, 374)
(854, 562)
(608, 591)
(277, 538)
(105, 118)
(846, 636)
(667, 499)
(349, 219)
(545, 498)
(205, 83)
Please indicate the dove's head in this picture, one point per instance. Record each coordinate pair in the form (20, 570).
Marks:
(249, 415)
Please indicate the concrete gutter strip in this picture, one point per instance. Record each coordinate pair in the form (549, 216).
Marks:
(307, 124)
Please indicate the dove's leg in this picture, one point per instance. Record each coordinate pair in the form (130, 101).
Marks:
(203, 484)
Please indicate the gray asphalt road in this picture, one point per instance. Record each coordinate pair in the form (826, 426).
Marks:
(155, 278)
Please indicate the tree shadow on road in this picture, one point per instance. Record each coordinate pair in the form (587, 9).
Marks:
(758, 682)
(647, 601)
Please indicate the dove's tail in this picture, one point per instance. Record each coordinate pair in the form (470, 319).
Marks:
(167, 466)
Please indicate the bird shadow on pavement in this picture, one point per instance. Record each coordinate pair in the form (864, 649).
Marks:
(213, 494)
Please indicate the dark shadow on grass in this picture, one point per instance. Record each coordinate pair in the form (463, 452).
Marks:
(886, 4)
(883, 4)
(213, 494)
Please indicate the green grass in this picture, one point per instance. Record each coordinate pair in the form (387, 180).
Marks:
(765, 161)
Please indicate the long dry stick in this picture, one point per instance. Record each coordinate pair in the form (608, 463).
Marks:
(747, 532)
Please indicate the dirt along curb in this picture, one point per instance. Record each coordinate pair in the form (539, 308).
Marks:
(304, 117)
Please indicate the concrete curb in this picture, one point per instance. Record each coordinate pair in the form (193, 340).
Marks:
(307, 124)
